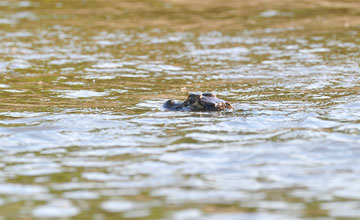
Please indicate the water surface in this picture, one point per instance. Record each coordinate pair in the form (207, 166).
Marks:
(84, 135)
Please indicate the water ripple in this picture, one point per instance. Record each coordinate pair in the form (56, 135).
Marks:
(82, 127)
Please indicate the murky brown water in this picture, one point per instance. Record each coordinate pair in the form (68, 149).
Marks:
(83, 134)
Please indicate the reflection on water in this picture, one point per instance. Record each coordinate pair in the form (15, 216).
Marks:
(83, 133)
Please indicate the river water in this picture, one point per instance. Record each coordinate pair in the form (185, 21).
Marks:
(83, 134)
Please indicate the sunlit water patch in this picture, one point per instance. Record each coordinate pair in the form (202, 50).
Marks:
(73, 94)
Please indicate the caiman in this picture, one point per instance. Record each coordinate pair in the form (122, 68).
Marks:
(199, 102)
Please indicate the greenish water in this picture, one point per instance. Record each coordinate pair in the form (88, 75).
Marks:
(83, 134)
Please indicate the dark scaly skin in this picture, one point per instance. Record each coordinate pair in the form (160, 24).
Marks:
(199, 102)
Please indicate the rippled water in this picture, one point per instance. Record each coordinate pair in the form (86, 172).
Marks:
(84, 135)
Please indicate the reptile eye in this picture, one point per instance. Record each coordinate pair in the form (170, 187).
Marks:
(193, 98)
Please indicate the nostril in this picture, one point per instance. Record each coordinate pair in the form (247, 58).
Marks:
(169, 103)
